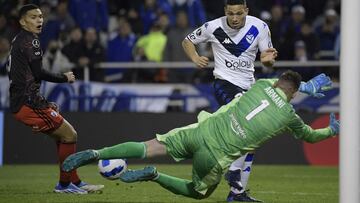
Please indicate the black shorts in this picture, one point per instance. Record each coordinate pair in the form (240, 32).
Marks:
(226, 91)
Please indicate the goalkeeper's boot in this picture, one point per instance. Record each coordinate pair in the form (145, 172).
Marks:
(70, 189)
(90, 188)
(241, 197)
(145, 174)
(80, 159)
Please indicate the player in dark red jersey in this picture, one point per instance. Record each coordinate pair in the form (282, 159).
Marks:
(29, 107)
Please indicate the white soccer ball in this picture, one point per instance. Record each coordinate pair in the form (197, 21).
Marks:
(112, 168)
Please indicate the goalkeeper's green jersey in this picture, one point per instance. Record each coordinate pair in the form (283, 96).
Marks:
(250, 120)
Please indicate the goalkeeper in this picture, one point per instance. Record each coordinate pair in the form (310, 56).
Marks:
(219, 138)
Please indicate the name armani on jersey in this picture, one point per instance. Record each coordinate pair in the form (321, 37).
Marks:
(275, 97)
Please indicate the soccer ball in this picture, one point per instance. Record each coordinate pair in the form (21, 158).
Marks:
(112, 168)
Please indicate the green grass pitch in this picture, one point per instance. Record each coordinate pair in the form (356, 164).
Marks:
(278, 184)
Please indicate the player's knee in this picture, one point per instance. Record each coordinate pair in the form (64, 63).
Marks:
(69, 137)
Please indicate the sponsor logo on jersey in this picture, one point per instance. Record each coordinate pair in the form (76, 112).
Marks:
(250, 38)
(37, 53)
(54, 113)
(237, 65)
(236, 127)
(227, 41)
(35, 43)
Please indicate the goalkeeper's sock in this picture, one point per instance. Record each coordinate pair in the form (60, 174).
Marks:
(63, 151)
(246, 169)
(124, 150)
(177, 185)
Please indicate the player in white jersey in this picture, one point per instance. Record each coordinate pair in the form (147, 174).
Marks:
(235, 40)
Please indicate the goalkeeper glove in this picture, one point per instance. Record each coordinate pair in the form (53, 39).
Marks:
(316, 86)
(334, 124)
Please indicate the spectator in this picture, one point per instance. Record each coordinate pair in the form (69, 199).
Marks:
(301, 55)
(193, 8)
(135, 21)
(164, 22)
(5, 30)
(277, 26)
(57, 24)
(90, 14)
(300, 51)
(150, 11)
(91, 53)
(293, 28)
(328, 32)
(311, 41)
(54, 60)
(4, 54)
(173, 50)
(120, 49)
(150, 47)
(72, 49)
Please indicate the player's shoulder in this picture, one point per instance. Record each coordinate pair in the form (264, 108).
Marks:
(215, 23)
(265, 81)
(256, 22)
(26, 39)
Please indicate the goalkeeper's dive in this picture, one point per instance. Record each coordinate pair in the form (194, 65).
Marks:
(217, 139)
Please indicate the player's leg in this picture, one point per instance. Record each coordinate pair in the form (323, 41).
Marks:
(206, 176)
(239, 172)
(47, 121)
(233, 176)
(238, 176)
(246, 169)
(123, 150)
(151, 148)
(66, 137)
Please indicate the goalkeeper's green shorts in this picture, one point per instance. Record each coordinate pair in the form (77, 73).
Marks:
(187, 143)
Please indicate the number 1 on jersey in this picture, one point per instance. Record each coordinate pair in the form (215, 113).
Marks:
(264, 103)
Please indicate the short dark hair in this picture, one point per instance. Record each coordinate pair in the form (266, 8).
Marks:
(292, 78)
(25, 8)
(235, 2)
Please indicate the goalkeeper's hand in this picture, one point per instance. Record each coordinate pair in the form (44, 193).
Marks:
(316, 86)
(334, 124)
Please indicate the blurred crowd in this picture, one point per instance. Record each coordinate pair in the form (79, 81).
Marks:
(82, 33)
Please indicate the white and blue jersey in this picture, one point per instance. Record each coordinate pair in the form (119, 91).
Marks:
(234, 49)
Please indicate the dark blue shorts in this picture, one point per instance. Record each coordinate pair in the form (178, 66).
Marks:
(225, 91)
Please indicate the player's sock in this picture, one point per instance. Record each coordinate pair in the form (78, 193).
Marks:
(237, 164)
(246, 169)
(177, 185)
(64, 150)
(234, 179)
(124, 150)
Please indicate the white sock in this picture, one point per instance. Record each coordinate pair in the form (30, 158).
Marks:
(237, 164)
(246, 169)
